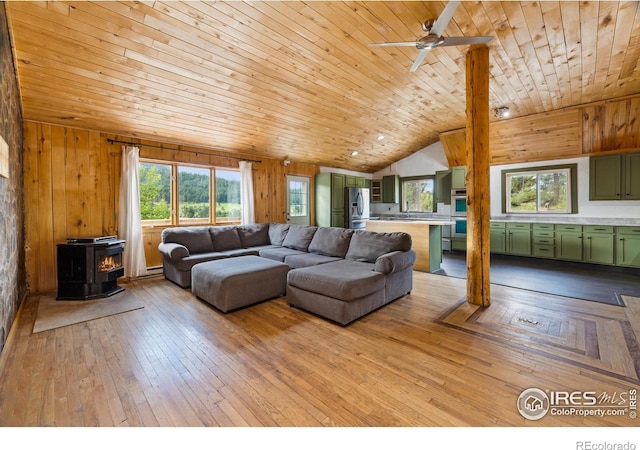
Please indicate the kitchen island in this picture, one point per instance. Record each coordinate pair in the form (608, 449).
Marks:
(426, 238)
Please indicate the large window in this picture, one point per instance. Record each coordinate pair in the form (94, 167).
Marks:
(540, 190)
(177, 194)
(417, 194)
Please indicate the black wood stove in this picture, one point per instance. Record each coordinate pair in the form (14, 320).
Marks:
(89, 268)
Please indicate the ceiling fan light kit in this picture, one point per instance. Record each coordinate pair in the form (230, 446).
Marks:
(434, 38)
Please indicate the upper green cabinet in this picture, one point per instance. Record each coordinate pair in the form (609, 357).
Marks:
(443, 186)
(391, 189)
(614, 177)
(459, 177)
(354, 181)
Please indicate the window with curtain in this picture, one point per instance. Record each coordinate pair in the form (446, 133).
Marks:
(181, 194)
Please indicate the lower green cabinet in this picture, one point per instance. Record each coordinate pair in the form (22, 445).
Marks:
(512, 238)
(598, 244)
(569, 242)
(498, 236)
(518, 239)
(628, 246)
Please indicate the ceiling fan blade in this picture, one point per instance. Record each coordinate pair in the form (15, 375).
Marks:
(394, 44)
(419, 59)
(442, 21)
(448, 41)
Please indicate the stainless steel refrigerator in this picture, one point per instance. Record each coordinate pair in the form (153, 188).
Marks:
(356, 208)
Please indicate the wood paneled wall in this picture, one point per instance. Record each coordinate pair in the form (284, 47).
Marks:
(72, 178)
(603, 127)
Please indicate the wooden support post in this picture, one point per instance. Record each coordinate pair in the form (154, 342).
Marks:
(478, 156)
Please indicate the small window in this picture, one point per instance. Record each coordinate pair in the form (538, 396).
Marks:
(417, 194)
(155, 193)
(227, 196)
(540, 190)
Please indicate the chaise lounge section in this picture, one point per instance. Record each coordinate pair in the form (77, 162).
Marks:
(337, 273)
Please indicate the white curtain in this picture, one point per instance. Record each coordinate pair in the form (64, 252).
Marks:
(129, 222)
(246, 193)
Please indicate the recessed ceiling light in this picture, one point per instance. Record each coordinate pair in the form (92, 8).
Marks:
(502, 112)
(354, 153)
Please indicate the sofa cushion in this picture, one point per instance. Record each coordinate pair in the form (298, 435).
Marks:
(366, 246)
(195, 239)
(278, 253)
(277, 232)
(343, 280)
(254, 234)
(298, 261)
(185, 264)
(331, 241)
(225, 238)
(299, 237)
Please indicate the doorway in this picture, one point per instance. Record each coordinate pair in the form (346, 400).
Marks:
(298, 200)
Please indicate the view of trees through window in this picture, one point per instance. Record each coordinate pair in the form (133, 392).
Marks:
(417, 195)
(193, 193)
(540, 191)
(155, 191)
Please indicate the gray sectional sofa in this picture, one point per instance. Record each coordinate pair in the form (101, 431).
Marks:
(337, 273)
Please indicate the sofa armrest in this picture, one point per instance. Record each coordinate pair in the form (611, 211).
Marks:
(173, 251)
(395, 261)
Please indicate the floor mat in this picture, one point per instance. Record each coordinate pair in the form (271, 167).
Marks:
(54, 313)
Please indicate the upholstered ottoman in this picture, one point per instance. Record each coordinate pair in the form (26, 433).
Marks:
(232, 283)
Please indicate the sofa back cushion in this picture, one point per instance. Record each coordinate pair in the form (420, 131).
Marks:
(367, 246)
(331, 241)
(254, 235)
(196, 239)
(299, 237)
(225, 238)
(277, 232)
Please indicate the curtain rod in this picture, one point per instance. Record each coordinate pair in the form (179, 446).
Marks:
(114, 141)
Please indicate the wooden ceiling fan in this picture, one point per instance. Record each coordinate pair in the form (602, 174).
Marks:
(434, 38)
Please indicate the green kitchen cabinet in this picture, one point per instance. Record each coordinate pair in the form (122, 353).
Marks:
(391, 189)
(354, 181)
(443, 186)
(498, 237)
(598, 243)
(518, 240)
(330, 199)
(614, 177)
(569, 242)
(544, 240)
(628, 246)
(511, 238)
(459, 243)
(632, 176)
(459, 177)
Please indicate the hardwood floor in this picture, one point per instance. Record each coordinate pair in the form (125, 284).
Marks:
(428, 359)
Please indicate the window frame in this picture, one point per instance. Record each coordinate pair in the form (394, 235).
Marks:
(174, 219)
(417, 178)
(572, 187)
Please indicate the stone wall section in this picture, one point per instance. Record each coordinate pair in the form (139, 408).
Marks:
(12, 233)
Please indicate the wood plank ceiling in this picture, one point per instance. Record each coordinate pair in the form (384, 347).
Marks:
(298, 80)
